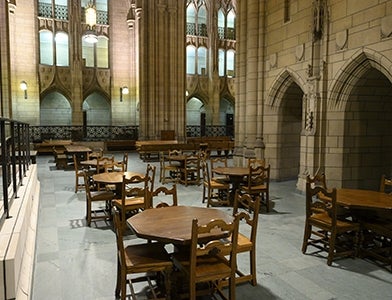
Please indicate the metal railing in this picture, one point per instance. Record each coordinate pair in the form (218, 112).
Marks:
(15, 161)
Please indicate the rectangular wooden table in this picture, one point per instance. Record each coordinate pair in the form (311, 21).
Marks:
(79, 150)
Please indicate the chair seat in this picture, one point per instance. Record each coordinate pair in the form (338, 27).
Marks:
(324, 220)
(147, 257)
(218, 185)
(244, 244)
(254, 188)
(130, 202)
(101, 195)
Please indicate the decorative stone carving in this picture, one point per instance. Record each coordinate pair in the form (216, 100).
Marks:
(299, 52)
(386, 26)
(273, 60)
(341, 39)
(46, 76)
(318, 18)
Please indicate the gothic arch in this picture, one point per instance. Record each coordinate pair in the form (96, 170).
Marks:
(347, 77)
(280, 86)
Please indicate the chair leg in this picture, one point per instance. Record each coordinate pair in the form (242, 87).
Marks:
(331, 251)
(88, 213)
(307, 233)
(252, 257)
(118, 282)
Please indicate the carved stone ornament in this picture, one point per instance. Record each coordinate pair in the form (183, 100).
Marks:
(341, 39)
(273, 60)
(386, 26)
(299, 52)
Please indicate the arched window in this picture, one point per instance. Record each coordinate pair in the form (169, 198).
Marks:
(221, 24)
(191, 20)
(230, 63)
(230, 32)
(102, 52)
(88, 53)
(190, 60)
(221, 62)
(62, 53)
(46, 47)
(202, 61)
(202, 21)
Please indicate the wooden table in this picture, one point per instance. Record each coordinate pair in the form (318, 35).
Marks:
(79, 150)
(173, 224)
(236, 176)
(94, 162)
(364, 199)
(115, 178)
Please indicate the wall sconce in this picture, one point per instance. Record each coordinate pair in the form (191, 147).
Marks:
(123, 91)
(23, 87)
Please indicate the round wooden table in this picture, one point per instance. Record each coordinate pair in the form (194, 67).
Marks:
(236, 176)
(174, 224)
(115, 178)
(364, 199)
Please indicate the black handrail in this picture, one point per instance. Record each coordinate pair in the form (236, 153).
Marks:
(15, 161)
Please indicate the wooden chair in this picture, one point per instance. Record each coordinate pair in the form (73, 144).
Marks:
(169, 172)
(206, 260)
(257, 183)
(133, 197)
(216, 193)
(79, 174)
(190, 172)
(164, 197)
(148, 258)
(250, 207)
(322, 227)
(95, 153)
(92, 196)
(121, 166)
(255, 162)
(377, 232)
(386, 185)
(60, 159)
(216, 162)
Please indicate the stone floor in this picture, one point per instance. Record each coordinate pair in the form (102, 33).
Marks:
(74, 261)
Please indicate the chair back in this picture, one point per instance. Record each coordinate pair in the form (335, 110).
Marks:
(95, 153)
(220, 247)
(76, 164)
(258, 178)
(150, 177)
(205, 171)
(164, 197)
(386, 185)
(316, 204)
(249, 207)
(119, 236)
(104, 164)
(254, 162)
(131, 188)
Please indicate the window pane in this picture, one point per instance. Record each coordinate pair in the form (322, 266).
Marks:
(221, 25)
(102, 52)
(88, 53)
(46, 47)
(190, 14)
(202, 61)
(190, 60)
(62, 57)
(230, 63)
(221, 62)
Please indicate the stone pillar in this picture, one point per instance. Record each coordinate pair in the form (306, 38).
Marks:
(161, 69)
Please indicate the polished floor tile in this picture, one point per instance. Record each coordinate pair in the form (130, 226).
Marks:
(74, 261)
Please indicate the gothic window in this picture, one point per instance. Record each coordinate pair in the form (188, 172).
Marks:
(226, 25)
(53, 9)
(230, 63)
(190, 60)
(202, 61)
(62, 55)
(46, 47)
(196, 18)
(221, 62)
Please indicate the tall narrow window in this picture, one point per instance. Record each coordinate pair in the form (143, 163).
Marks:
(102, 52)
(190, 60)
(46, 47)
(191, 20)
(230, 32)
(286, 11)
(202, 21)
(230, 63)
(88, 54)
(62, 56)
(202, 61)
(221, 62)
(221, 24)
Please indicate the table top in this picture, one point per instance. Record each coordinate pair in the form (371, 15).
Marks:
(76, 148)
(232, 171)
(365, 199)
(114, 177)
(173, 224)
(93, 162)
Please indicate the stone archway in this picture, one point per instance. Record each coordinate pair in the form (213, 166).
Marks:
(359, 120)
(283, 126)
